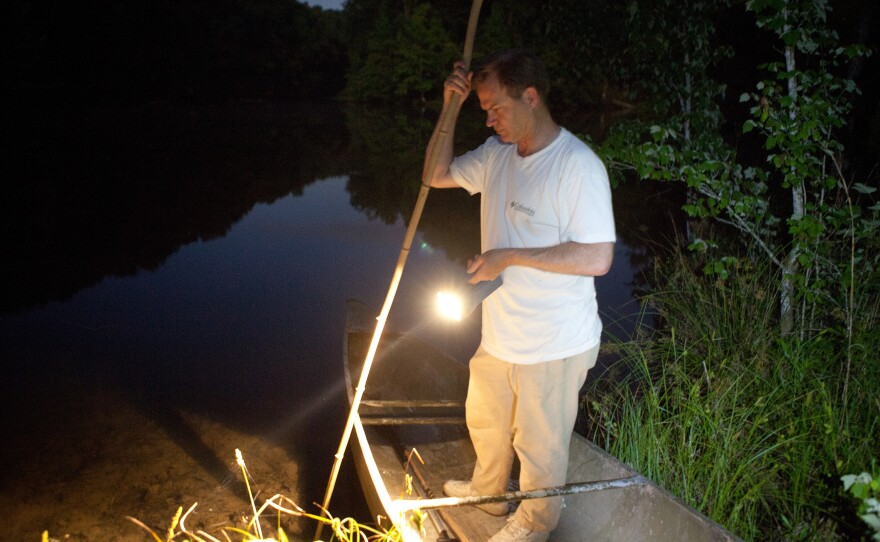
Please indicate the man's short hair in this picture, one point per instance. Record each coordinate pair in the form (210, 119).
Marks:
(516, 70)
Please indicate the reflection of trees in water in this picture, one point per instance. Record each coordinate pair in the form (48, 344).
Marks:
(451, 222)
(387, 153)
(103, 192)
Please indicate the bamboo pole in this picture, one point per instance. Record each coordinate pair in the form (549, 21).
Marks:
(404, 505)
(445, 124)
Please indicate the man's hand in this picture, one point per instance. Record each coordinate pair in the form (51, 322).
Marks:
(458, 82)
(488, 265)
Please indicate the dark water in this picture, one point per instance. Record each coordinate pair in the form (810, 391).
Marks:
(200, 258)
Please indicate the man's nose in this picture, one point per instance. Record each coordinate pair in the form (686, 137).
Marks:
(490, 120)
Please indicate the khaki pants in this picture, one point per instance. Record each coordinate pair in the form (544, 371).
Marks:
(529, 410)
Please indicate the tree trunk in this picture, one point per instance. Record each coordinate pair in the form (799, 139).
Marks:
(786, 301)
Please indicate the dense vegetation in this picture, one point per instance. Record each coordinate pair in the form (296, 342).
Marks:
(753, 428)
(758, 391)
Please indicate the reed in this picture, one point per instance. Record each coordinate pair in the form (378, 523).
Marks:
(343, 530)
(750, 427)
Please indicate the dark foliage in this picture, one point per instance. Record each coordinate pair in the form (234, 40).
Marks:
(126, 50)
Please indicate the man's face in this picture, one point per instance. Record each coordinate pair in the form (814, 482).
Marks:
(510, 118)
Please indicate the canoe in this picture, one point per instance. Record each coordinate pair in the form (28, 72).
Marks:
(414, 400)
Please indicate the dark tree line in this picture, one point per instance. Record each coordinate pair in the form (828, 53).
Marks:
(392, 51)
(373, 50)
(198, 49)
(401, 50)
(601, 52)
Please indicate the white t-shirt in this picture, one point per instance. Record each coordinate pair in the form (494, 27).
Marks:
(559, 194)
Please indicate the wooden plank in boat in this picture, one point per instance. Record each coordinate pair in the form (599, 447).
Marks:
(450, 403)
(405, 420)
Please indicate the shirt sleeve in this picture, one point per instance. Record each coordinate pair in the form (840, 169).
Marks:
(585, 199)
(469, 169)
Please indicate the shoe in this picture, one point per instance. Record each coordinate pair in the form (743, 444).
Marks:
(514, 532)
(462, 488)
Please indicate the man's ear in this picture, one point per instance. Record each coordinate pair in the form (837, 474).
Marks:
(531, 97)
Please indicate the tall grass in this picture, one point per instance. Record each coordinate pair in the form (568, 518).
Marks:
(752, 428)
(340, 529)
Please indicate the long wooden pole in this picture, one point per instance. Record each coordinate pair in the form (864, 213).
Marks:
(445, 125)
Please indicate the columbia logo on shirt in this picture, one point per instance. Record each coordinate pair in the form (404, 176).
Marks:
(519, 207)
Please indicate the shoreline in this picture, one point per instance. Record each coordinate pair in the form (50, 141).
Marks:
(82, 458)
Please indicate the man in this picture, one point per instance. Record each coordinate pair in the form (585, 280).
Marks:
(547, 227)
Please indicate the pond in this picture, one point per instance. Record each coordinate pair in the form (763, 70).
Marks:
(176, 287)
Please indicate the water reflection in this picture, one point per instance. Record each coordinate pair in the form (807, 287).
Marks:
(99, 192)
(199, 259)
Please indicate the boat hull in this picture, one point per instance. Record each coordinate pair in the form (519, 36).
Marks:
(414, 399)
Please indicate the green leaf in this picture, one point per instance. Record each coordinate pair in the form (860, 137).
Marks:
(863, 189)
(699, 245)
(872, 520)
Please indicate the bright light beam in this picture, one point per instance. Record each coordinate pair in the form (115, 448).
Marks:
(450, 305)
(456, 305)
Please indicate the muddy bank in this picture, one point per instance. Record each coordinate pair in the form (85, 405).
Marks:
(80, 459)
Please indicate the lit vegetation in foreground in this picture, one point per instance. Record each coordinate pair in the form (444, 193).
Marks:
(751, 427)
(344, 530)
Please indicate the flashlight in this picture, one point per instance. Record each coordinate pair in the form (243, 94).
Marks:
(455, 305)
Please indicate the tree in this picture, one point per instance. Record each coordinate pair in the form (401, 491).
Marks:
(798, 107)
(800, 110)
(422, 53)
(406, 53)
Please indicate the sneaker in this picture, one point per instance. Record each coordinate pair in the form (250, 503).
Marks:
(514, 532)
(462, 488)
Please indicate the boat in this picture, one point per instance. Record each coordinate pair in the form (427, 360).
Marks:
(410, 436)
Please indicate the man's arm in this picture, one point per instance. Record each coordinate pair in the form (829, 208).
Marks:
(589, 259)
(459, 82)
